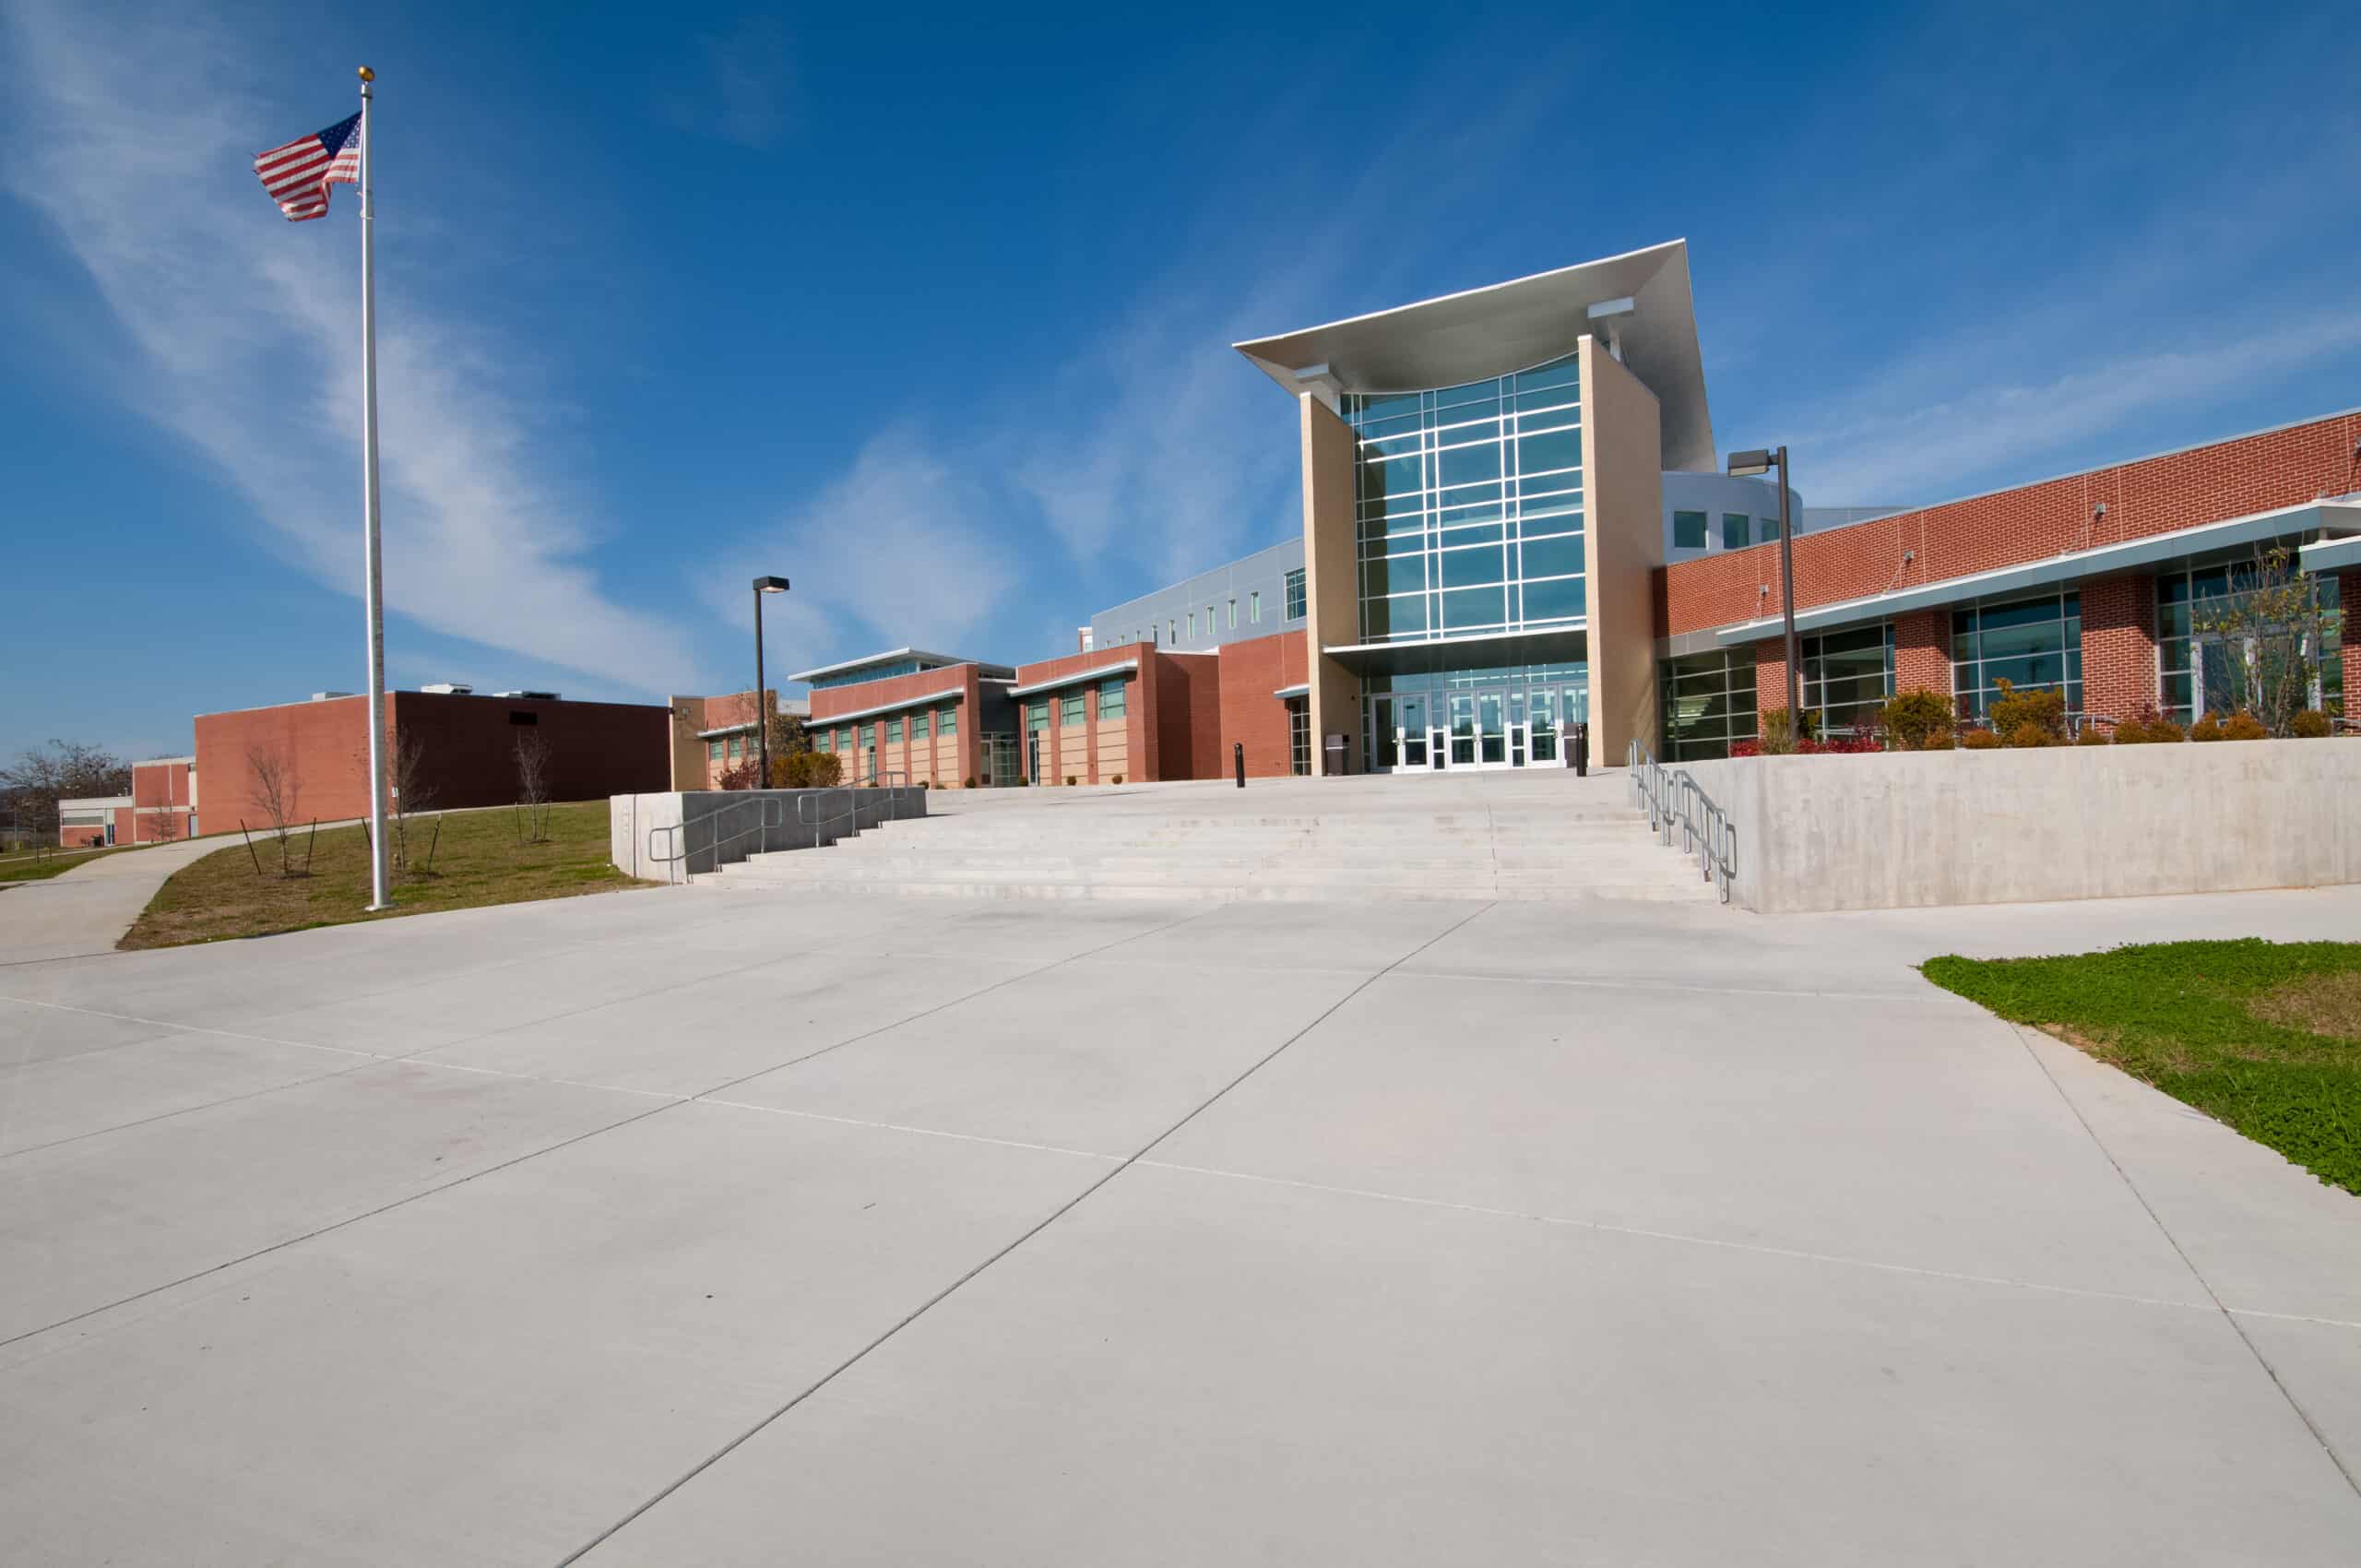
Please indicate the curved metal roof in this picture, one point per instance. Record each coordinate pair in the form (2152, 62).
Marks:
(1515, 326)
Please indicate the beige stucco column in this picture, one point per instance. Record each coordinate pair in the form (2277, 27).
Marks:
(1331, 597)
(1622, 547)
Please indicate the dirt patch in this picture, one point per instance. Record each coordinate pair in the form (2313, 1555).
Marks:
(2320, 1004)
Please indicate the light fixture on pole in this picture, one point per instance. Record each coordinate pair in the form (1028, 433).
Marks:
(1759, 461)
(762, 715)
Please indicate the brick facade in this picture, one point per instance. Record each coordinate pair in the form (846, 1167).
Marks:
(1095, 750)
(2120, 645)
(943, 763)
(1250, 716)
(469, 755)
(2154, 496)
(1922, 652)
(163, 794)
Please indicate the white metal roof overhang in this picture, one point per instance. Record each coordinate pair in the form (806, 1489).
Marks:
(1097, 671)
(924, 699)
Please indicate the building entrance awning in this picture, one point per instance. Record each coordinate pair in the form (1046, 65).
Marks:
(1560, 645)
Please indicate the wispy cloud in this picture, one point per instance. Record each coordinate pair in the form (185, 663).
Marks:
(1932, 448)
(742, 86)
(246, 330)
(898, 549)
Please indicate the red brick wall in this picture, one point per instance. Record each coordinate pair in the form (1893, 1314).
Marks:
(1188, 715)
(2120, 645)
(1922, 652)
(2154, 496)
(2348, 589)
(596, 749)
(1249, 673)
(1076, 754)
(159, 790)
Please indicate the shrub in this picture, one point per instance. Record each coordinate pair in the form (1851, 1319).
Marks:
(2310, 724)
(2032, 732)
(2043, 708)
(2206, 729)
(1910, 716)
(1119, 778)
(2244, 726)
(1745, 748)
(1781, 734)
(1940, 740)
(1069, 780)
(2148, 727)
(1979, 741)
(1845, 745)
(970, 783)
(2091, 736)
(808, 770)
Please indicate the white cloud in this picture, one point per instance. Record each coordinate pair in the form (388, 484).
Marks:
(248, 327)
(896, 551)
(1926, 452)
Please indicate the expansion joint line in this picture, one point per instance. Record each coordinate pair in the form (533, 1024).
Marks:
(2189, 1263)
(1051, 1218)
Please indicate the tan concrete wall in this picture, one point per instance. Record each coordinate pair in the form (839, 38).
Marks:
(1623, 547)
(1908, 829)
(1330, 596)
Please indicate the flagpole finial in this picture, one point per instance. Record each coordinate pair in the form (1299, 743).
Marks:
(367, 75)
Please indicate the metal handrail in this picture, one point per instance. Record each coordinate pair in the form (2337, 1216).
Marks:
(673, 831)
(1673, 799)
(815, 824)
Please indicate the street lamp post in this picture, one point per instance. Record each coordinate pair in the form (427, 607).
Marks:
(762, 716)
(1759, 461)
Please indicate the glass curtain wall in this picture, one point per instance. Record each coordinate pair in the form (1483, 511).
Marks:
(1848, 675)
(2028, 643)
(1481, 713)
(1709, 704)
(2182, 663)
(1469, 506)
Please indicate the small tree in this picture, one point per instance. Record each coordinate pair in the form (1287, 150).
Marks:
(279, 793)
(163, 825)
(532, 789)
(61, 770)
(2266, 635)
(1916, 717)
(2036, 718)
(411, 788)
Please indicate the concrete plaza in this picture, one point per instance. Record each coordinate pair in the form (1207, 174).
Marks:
(683, 1226)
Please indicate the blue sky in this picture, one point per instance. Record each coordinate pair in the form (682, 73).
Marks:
(930, 311)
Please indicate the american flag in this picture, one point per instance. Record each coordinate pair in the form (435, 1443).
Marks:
(298, 175)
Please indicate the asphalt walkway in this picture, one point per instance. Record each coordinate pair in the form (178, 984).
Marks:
(674, 1227)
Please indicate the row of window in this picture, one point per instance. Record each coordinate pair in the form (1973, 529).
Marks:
(1173, 626)
(1112, 697)
(922, 725)
(1690, 530)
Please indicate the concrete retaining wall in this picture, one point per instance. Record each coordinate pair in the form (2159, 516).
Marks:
(715, 826)
(1903, 829)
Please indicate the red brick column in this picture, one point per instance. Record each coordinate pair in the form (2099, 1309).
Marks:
(1770, 677)
(1922, 652)
(2120, 645)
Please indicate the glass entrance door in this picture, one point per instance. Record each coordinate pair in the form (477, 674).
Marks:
(1412, 712)
(1491, 730)
(1542, 723)
(1463, 730)
(1385, 737)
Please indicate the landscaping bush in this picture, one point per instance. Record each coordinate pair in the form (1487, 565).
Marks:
(1911, 717)
(1781, 734)
(2244, 726)
(1942, 739)
(2206, 729)
(1745, 748)
(1856, 744)
(970, 783)
(2032, 732)
(1979, 741)
(1070, 780)
(2091, 736)
(2148, 727)
(808, 770)
(1119, 778)
(2043, 708)
(2311, 724)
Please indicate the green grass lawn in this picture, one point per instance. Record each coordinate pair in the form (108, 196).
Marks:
(28, 867)
(477, 861)
(2264, 1036)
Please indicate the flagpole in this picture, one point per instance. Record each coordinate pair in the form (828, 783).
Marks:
(368, 516)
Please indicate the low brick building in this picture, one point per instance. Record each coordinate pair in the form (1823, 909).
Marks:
(712, 736)
(466, 752)
(910, 717)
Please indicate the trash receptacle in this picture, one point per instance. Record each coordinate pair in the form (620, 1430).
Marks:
(1334, 744)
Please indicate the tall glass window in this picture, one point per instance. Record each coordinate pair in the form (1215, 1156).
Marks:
(1689, 530)
(947, 722)
(1037, 715)
(1110, 698)
(1735, 526)
(1300, 737)
(2028, 643)
(2182, 663)
(1848, 675)
(1294, 595)
(1070, 710)
(1468, 508)
(1709, 703)
(893, 731)
(1254, 607)
(921, 724)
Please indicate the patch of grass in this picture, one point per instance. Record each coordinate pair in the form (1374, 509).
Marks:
(2265, 1037)
(477, 861)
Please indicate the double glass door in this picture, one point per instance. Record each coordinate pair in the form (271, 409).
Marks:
(1479, 729)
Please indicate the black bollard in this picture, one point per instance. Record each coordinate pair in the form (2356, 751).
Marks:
(1582, 749)
(1238, 755)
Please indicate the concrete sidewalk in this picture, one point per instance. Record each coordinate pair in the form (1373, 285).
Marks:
(677, 1228)
(88, 910)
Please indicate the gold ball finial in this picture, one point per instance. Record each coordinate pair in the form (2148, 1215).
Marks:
(367, 75)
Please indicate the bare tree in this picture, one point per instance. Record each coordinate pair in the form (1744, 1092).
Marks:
(163, 823)
(279, 793)
(532, 789)
(412, 786)
(63, 770)
(2263, 640)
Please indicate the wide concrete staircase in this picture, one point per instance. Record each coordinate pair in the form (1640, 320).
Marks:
(1556, 838)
